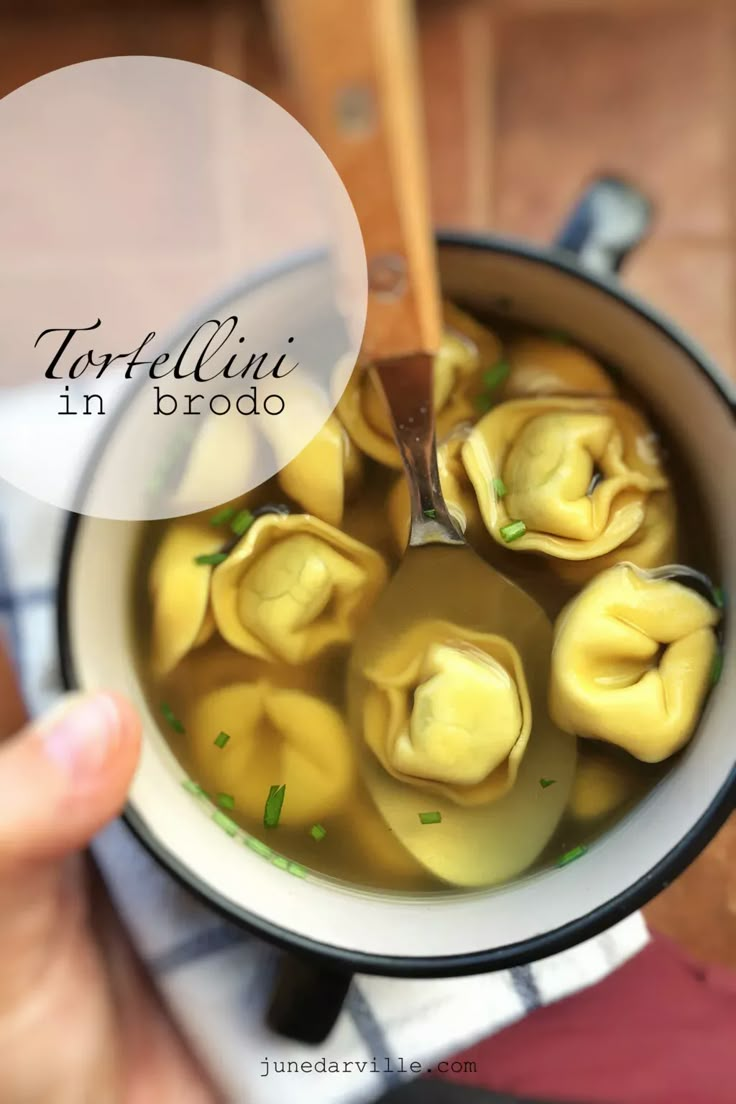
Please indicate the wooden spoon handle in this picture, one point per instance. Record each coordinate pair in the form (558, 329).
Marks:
(355, 73)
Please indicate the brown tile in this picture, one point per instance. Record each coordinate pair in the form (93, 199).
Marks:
(698, 910)
(693, 282)
(639, 91)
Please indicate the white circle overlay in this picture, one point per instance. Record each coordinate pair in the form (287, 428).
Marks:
(184, 288)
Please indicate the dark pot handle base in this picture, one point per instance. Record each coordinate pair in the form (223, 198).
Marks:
(307, 999)
(609, 220)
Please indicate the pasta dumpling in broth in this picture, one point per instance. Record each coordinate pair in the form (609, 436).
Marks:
(325, 474)
(294, 586)
(544, 366)
(577, 479)
(448, 709)
(276, 736)
(179, 591)
(632, 662)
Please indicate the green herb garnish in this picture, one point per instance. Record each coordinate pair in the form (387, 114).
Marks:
(432, 514)
(571, 856)
(258, 846)
(274, 802)
(545, 782)
(221, 739)
(223, 516)
(224, 822)
(297, 870)
(497, 374)
(499, 487)
(171, 718)
(226, 801)
(280, 862)
(717, 668)
(513, 531)
(242, 522)
(483, 402)
(317, 832)
(719, 598)
(430, 818)
(211, 558)
(192, 787)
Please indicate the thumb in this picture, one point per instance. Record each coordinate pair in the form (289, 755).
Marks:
(62, 777)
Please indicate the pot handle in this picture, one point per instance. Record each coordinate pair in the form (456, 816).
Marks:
(608, 221)
(307, 998)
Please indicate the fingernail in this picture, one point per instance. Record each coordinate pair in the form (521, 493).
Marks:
(81, 733)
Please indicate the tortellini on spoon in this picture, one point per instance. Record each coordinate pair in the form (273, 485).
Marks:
(294, 586)
(632, 662)
(448, 710)
(466, 348)
(574, 478)
(276, 736)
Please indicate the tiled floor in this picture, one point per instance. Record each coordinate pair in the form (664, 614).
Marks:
(525, 100)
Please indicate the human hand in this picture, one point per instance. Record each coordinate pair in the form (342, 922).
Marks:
(80, 1022)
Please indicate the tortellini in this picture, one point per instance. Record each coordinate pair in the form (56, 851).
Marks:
(632, 662)
(276, 737)
(574, 478)
(179, 590)
(456, 488)
(466, 347)
(448, 709)
(602, 785)
(294, 586)
(542, 366)
(325, 474)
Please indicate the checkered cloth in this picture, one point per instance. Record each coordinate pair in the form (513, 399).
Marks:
(215, 977)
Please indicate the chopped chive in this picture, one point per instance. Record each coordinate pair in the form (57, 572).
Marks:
(274, 802)
(430, 818)
(717, 668)
(171, 718)
(571, 856)
(497, 374)
(192, 787)
(297, 870)
(280, 862)
(719, 598)
(317, 832)
(430, 513)
(499, 487)
(483, 402)
(211, 558)
(242, 522)
(545, 782)
(224, 822)
(223, 516)
(226, 801)
(258, 846)
(513, 531)
(221, 739)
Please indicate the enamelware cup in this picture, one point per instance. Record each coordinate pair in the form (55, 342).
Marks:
(334, 929)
